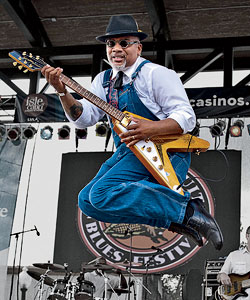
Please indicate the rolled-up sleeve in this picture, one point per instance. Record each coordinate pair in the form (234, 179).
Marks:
(91, 114)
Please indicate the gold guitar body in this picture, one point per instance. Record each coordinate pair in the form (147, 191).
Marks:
(153, 153)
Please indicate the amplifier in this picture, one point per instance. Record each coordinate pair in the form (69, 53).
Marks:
(210, 284)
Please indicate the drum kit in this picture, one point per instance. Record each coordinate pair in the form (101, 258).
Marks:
(67, 288)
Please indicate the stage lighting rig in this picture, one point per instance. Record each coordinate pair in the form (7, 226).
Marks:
(218, 128)
(64, 132)
(81, 133)
(29, 132)
(46, 133)
(102, 129)
(14, 133)
(236, 129)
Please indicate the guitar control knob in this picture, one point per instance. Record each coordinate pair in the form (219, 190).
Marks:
(155, 158)
(160, 167)
(149, 149)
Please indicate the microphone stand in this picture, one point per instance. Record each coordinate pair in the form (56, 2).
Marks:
(146, 265)
(106, 283)
(41, 284)
(16, 234)
(130, 231)
(138, 282)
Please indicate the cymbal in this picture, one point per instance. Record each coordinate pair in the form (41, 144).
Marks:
(120, 291)
(54, 267)
(96, 267)
(127, 264)
(47, 280)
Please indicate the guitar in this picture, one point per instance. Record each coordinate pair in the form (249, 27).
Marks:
(151, 152)
(239, 284)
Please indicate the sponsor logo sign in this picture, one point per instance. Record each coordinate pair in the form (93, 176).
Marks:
(34, 105)
(117, 243)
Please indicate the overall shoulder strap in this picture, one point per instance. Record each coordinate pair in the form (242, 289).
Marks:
(139, 68)
(106, 78)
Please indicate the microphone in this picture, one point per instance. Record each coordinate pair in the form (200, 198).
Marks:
(126, 231)
(37, 232)
(156, 248)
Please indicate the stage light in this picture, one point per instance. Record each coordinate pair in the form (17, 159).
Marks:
(14, 133)
(64, 132)
(46, 133)
(81, 133)
(2, 131)
(29, 132)
(236, 129)
(102, 129)
(218, 128)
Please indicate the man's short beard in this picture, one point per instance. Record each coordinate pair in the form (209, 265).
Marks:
(118, 68)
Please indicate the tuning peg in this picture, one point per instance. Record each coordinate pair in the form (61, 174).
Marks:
(24, 53)
(14, 63)
(30, 65)
(20, 67)
(30, 55)
(25, 62)
(37, 57)
(25, 71)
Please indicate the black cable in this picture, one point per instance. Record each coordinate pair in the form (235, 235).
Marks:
(210, 179)
(216, 149)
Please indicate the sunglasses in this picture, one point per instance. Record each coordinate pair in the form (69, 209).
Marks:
(123, 43)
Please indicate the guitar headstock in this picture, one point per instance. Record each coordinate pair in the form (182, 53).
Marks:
(30, 62)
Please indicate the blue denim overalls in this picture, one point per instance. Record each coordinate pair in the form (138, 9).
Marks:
(123, 191)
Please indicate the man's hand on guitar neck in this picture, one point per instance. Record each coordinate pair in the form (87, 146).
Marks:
(72, 107)
(224, 279)
(52, 75)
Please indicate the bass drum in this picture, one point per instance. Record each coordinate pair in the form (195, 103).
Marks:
(84, 290)
(59, 290)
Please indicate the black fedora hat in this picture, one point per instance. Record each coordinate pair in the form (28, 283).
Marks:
(122, 25)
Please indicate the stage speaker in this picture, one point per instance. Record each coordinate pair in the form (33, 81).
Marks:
(192, 285)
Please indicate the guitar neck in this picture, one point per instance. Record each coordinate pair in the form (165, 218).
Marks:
(103, 105)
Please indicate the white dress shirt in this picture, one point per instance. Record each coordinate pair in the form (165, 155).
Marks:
(238, 262)
(159, 88)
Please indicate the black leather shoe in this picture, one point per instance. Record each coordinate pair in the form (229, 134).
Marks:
(204, 223)
(184, 230)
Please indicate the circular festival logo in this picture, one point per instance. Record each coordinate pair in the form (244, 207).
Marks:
(34, 105)
(150, 249)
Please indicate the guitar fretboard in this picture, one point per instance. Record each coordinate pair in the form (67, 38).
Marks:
(106, 107)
